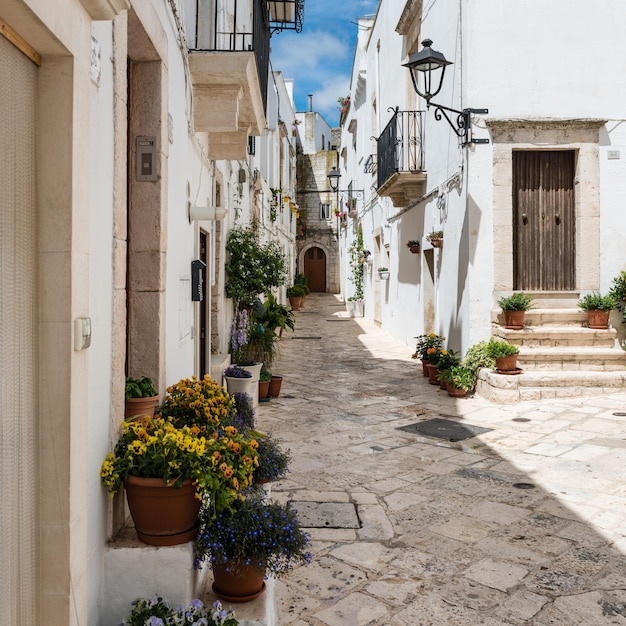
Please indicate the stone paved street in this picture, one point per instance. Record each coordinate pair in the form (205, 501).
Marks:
(445, 536)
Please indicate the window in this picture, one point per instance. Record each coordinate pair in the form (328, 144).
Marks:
(324, 211)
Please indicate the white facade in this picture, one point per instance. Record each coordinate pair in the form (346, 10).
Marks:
(545, 90)
(88, 240)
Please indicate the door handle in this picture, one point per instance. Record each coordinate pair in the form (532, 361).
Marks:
(525, 218)
(557, 218)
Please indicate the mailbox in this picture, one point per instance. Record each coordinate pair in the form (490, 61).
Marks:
(197, 280)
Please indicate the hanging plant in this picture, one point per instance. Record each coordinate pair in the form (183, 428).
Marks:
(357, 255)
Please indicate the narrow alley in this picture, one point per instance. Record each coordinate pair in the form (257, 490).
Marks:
(522, 523)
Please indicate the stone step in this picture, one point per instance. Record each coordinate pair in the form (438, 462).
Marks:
(572, 358)
(546, 317)
(554, 299)
(545, 336)
(538, 385)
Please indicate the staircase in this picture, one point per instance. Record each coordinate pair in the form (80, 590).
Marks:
(559, 356)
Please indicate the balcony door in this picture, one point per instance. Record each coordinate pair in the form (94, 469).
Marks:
(544, 220)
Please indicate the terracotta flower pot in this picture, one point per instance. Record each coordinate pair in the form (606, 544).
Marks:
(295, 303)
(454, 392)
(140, 406)
(241, 586)
(275, 385)
(162, 514)
(507, 363)
(264, 389)
(425, 367)
(514, 320)
(433, 370)
(598, 319)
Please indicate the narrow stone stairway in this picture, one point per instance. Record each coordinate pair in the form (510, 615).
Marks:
(559, 355)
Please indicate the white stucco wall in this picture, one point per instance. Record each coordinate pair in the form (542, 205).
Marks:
(523, 61)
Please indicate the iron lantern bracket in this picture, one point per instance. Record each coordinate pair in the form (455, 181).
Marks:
(462, 125)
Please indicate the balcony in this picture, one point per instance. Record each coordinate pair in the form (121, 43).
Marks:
(400, 158)
(228, 44)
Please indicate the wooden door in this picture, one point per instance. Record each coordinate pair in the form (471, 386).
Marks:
(315, 269)
(544, 220)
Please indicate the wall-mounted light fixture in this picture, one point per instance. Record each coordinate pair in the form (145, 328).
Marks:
(429, 62)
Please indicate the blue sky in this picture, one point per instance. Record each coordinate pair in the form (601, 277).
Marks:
(319, 59)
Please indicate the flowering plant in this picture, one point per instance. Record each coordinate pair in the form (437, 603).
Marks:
(255, 532)
(239, 336)
(156, 611)
(447, 359)
(435, 234)
(194, 402)
(273, 460)
(424, 342)
(234, 371)
(432, 355)
(221, 464)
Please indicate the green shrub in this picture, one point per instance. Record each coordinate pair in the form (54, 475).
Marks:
(461, 377)
(618, 291)
(296, 291)
(497, 348)
(518, 301)
(477, 357)
(597, 302)
(140, 388)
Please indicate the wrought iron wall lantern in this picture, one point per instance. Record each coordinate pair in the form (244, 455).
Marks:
(333, 182)
(429, 62)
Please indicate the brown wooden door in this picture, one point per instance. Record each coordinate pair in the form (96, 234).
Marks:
(315, 269)
(544, 220)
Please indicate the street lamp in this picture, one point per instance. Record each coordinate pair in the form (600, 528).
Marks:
(429, 63)
(333, 182)
(333, 179)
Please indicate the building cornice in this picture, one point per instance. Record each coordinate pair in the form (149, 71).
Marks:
(412, 10)
(543, 123)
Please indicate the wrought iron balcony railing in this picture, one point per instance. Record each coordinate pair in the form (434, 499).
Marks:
(231, 26)
(400, 145)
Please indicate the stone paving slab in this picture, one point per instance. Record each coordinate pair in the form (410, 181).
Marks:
(446, 538)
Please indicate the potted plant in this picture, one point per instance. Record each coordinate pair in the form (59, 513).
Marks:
(477, 357)
(505, 355)
(276, 316)
(156, 610)
(168, 470)
(514, 308)
(445, 360)
(598, 309)
(358, 255)
(141, 397)
(239, 379)
(273, 460)
(251, 267)
(265, 378)
(414, 245)
(459, 380)
(435, 238)
(295, 293)
(424, 342)
(200, 402)
(383, 273)
(252, 539)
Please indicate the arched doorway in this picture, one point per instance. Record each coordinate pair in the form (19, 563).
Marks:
(315, 269)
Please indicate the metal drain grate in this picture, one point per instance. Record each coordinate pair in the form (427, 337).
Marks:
(326, 514)
(445, 429)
